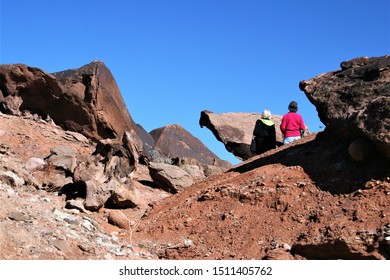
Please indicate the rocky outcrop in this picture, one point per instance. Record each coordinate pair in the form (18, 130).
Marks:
(85, 100)
(28, 88)
(107, 175)
(354, 102)
(101, 111)
(174, 142)
(235, 130)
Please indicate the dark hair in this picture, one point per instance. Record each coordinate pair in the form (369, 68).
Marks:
(293, 106)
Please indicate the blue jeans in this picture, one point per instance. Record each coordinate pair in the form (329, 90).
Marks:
(288, 140)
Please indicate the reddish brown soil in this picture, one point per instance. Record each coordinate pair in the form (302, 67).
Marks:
(304, 201)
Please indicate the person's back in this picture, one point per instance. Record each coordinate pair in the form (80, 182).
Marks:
(292, 124)
(264, 133)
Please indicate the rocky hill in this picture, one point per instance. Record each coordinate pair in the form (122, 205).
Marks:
(82, 186)
(305, 201)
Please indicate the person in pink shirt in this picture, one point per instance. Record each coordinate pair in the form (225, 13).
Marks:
(292, 125)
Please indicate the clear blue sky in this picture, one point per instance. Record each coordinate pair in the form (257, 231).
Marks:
(174, 58)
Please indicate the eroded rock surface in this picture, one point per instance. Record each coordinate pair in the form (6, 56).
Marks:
(170, 177)
(354, 102)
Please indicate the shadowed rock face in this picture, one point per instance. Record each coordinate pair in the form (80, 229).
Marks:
(28, 88)
(235, 130)
(147, 140)
(174, 141)
(354, 102)
(85, 100)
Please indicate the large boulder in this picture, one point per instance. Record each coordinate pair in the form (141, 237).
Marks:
(173, 141)
(101, 112)
(354, 102)
(28, 88)
(86, 100)
(235, 130)
(169, 177)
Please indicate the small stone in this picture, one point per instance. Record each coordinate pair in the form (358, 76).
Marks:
(114, 239)
(88, 225)
(286, 247)
(11, 178)
(119, 254)
(72, 221)
(61, 245)
(59, 215)
(188, 242)
(19, 216)
(77, 136)
(75, 204)
(73, 211)
(87, 248)
(108, 257)
(360, 149)
(119, 219)
(35, 163)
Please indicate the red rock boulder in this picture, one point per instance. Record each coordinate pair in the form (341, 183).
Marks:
(86, 100)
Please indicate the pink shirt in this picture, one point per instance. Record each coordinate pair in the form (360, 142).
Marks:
(292, 124)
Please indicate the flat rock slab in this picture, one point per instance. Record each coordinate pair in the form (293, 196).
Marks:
(19, 216)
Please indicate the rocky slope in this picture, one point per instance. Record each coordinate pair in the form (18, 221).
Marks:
(305, 201)
(39, 219)
(66, 195)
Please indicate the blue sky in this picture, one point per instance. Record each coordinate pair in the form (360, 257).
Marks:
(172, 59)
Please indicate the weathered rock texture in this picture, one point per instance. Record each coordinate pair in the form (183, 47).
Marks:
(98, 107)
(28, 88)
(235, 130)
(169, 177)
(107, 175)
(354, 102)
(85, 100)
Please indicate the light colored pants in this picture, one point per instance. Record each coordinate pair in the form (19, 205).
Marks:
(288, 140)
